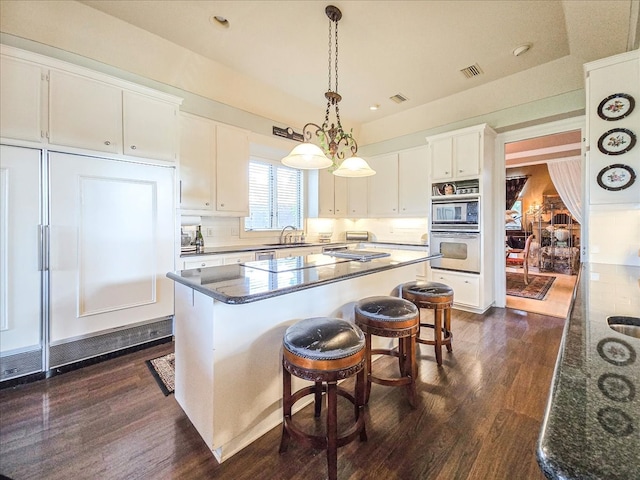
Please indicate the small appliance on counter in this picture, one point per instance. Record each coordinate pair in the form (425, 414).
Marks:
(357, 236)
(189, 226)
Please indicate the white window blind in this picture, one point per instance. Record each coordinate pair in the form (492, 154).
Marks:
(275, 197)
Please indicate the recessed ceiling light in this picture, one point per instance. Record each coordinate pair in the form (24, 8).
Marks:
(521, 49)
(219, 20)
(375, 106)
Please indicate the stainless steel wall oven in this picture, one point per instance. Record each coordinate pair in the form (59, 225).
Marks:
(460, 251)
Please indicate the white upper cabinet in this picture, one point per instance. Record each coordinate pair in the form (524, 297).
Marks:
(332, 194)
(47, 100)
(413, 179)
(21, 97)
(84, 113)
(232, 170)
(357, 201)
(400, 185)
(150, 127)
(214, 167)
(455, 156)
(197, 162)
(383, 186)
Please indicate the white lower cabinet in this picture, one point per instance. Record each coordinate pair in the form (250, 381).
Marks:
(466, 286)
(297, 252)
(241, 257)
(203, 262)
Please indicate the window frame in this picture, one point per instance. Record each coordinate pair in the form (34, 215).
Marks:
(269, 232)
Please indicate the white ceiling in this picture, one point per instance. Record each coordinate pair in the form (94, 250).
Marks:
(415, 48)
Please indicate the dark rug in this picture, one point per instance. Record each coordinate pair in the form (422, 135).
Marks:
(163, 370)
(537, 289)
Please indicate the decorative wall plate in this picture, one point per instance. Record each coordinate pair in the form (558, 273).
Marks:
(616, 106)
(616, 177)
(617, 141)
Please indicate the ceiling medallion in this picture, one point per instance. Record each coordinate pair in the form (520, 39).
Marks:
(331, 136)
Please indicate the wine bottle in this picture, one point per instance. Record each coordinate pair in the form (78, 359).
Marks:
(199, 240)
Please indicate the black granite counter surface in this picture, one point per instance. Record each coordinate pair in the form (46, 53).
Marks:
(260, 247)
(253, 281)
(591, 428)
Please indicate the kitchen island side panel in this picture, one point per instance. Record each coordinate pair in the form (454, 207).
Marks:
(243, 370)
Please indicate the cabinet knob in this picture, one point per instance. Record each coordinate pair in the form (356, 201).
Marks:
(461, 170)
(446, 173)
(133, 147)
(207, 204)
(222, 204)
(203, 264)
(107, 142)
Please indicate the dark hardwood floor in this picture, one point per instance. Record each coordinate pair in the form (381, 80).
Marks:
(478, 417)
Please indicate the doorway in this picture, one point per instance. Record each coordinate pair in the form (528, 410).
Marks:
(525, 153)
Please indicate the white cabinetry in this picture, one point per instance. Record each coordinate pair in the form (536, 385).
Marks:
(197, 162)
(297, 252)
(466, 287)
(232, 170)
(400, 185)
(111, 244)
(82, 110)
(150, 127)
(455, 156)
(467, 155)
(357, 201)
(21, 97)
(20, 269)
(84, 113)
(383, 186)
(204, 261)
(214, 167)
(332, 194)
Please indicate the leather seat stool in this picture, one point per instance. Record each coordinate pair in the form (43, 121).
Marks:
(390, 317)
(439, 298)
(323, 350)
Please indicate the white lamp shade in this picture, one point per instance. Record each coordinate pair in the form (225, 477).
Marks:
(354, 167)
(307, 156)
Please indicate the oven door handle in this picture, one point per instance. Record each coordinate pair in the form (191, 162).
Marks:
(454, 235)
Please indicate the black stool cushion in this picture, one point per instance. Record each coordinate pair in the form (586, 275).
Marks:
(427, 289)
(323, 338)
(388, 309)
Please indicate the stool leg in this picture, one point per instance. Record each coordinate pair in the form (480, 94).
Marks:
(318, 399)
(367, 367)
(411, 368)
(332, 431)
(286, 409)
(437, 332)
(402, 357)
(359, 394)
(447, 326)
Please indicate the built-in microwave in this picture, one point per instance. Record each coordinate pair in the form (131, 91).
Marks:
(463, 214)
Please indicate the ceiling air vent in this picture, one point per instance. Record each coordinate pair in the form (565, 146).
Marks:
(399, 98)
(472, 71)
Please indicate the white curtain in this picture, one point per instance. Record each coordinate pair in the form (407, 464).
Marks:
(566, 176)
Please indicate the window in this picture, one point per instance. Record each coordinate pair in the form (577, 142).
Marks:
(513, 218)
(275, 197)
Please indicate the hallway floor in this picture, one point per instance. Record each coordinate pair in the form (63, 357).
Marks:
(557, 301)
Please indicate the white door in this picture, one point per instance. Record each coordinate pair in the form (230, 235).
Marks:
(20, 254)
(112, 244)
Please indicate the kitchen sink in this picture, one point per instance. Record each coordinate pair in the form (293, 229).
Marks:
(625, 325)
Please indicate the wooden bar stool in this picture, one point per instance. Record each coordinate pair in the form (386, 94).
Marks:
(390, 317)
(439, 298)
(323, 350)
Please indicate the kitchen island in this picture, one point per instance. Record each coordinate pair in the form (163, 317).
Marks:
(591, 428)
(229, 325)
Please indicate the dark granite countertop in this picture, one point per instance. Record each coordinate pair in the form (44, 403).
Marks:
(591, 428)
(256, 248)
(253, 281)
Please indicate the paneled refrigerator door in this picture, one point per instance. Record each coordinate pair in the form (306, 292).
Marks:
(112, 235)
(20, 263)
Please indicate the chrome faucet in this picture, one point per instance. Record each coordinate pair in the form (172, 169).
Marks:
(282, 232)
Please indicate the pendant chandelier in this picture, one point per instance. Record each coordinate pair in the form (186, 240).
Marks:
(333, 139)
